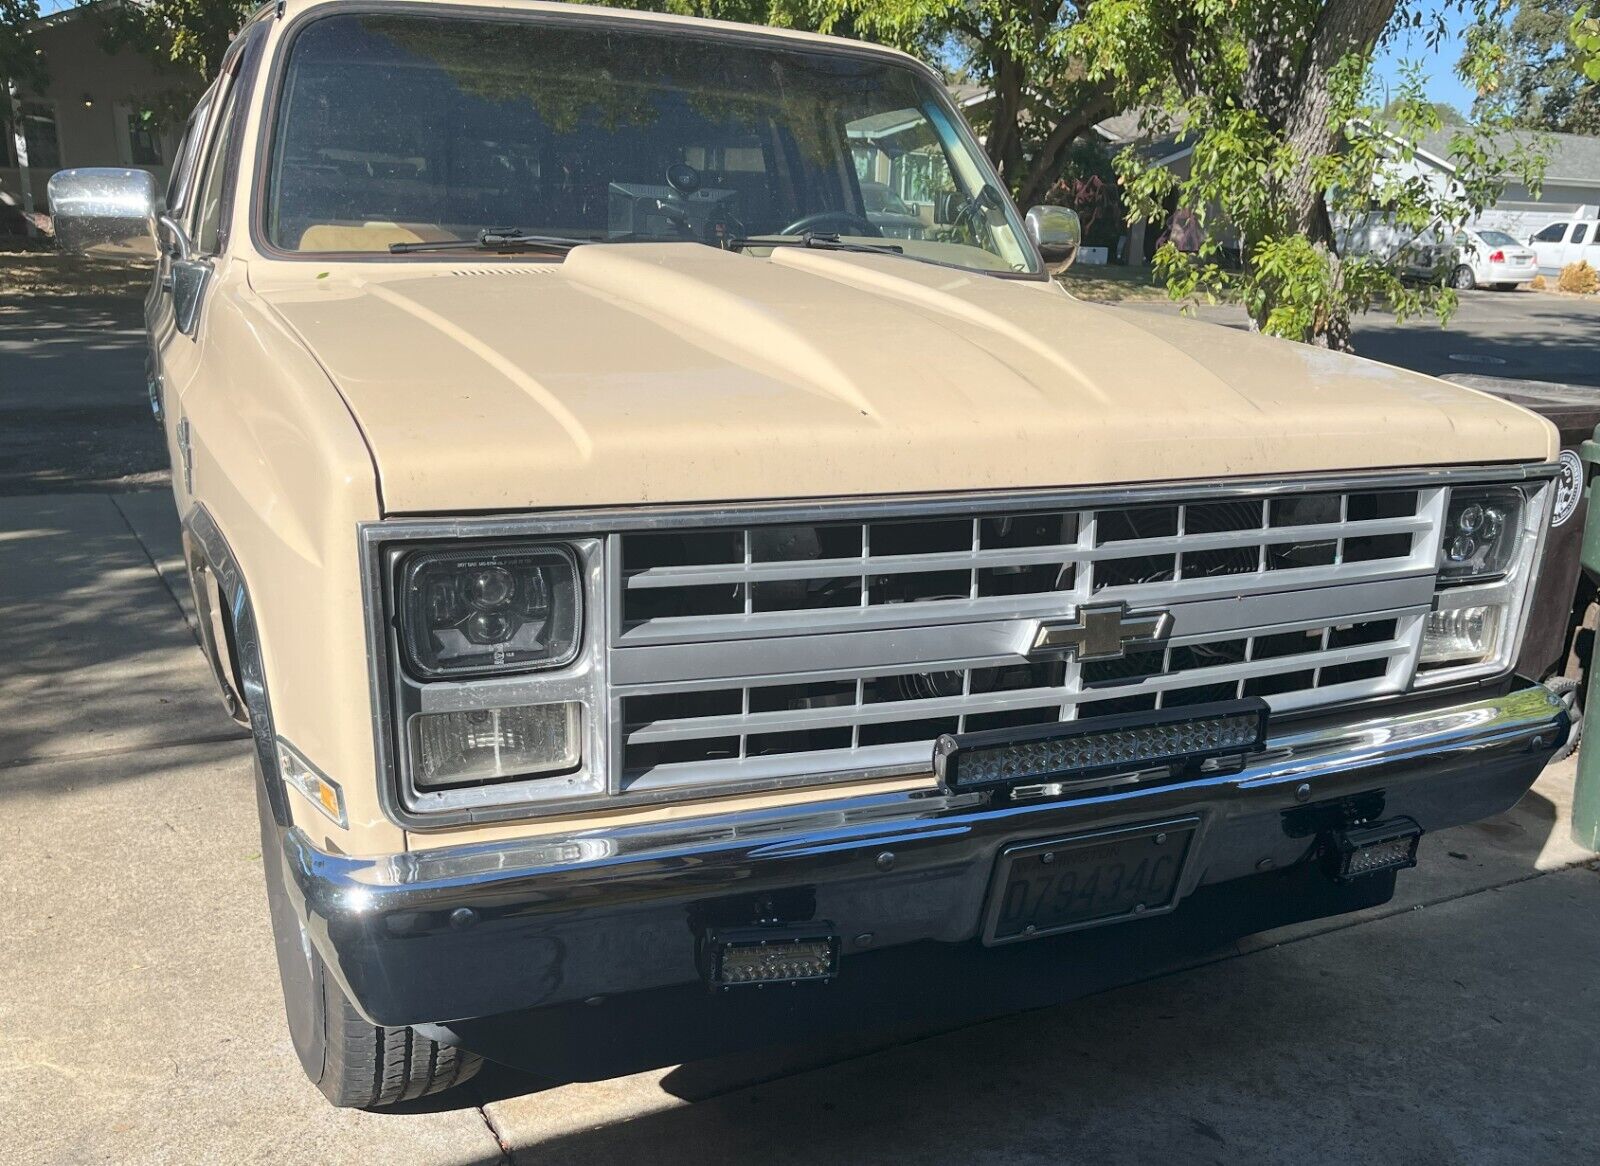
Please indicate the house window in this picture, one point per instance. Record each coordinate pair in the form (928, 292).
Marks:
(39, 132)
(144, 139)
(918, 176)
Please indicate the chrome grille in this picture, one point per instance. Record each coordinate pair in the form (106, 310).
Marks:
(797, 651)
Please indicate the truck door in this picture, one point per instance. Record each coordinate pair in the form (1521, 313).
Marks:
(1547, 247)
(176, 311)
(160, 325)
(1572, 250)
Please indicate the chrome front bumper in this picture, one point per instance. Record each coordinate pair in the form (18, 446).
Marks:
(443, 935)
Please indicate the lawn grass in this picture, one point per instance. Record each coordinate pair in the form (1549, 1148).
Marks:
(1108, 284)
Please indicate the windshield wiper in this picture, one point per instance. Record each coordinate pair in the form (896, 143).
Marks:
(495, 239)
(814, 239)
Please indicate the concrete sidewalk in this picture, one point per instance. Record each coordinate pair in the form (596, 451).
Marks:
(140, 1020)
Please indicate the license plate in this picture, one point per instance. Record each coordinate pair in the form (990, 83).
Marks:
(1041, 888)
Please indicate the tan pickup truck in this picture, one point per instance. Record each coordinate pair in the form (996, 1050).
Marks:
(672, 610)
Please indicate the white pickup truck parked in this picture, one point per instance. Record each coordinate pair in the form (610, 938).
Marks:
(1567, 242)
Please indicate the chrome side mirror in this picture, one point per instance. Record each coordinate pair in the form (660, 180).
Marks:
(1056, 231)
(107, 212)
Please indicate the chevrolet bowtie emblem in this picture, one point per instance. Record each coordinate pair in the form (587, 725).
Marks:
(1099, 632)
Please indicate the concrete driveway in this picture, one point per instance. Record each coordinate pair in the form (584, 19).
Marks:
(140, 1020)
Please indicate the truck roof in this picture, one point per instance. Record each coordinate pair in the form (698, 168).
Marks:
(292, 8)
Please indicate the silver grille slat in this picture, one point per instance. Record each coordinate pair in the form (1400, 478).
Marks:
(701, 629)
(900, 710)
(694, 576)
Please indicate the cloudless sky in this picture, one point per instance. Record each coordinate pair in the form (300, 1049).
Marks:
(1438, 64)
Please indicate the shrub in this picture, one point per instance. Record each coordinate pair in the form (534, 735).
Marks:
(1579, 277)
(1537, 283)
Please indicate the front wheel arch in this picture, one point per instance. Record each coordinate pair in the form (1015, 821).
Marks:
(229, 625)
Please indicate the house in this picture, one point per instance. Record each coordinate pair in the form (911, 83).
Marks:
(1571, 179)
(98, 108)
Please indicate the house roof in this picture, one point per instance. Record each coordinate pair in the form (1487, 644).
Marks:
(1573, 159)
(964, 94)
(1138, 125)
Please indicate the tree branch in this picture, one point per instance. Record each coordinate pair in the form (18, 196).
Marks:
(1046, 165)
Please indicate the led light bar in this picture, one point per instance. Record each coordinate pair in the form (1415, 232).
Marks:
(770, 954)
(1100, 745)
(1370, 850)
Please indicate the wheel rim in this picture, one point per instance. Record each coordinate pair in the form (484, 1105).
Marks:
(1464, 279)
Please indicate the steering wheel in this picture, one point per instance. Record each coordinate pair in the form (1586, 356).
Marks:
(855, 224)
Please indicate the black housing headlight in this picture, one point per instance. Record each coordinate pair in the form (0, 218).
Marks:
(1488, 559)
(1482, 530)
(489, 610)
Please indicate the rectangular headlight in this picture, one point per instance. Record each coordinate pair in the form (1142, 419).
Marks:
(1488, 559)
(1482, 530)
(479, 745)
(1459, 635)
(489, 610)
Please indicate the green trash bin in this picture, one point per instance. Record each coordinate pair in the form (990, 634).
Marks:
(1586, 798)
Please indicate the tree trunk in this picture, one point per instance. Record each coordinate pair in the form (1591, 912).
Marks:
(1300, 101)
(1003, 143)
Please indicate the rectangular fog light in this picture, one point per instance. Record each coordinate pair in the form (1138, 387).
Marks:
(1390, 845)
(1100, 745)
(477, 745)
(799, 954)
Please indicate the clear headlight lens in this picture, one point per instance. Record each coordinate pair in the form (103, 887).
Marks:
(1487, 565)
(1482, 530)
(491, 610)
(486, 744)
(1457, 634)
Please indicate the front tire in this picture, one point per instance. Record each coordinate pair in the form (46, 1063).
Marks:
(368, 1066)
(1463, 279)
(1570, 693)
(355, 1063)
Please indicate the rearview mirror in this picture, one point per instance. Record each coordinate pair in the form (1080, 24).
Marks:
(1056, 231)
(105, 211)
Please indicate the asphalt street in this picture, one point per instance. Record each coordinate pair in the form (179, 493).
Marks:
(140, 1019)
(74, 415)
(1524, 335)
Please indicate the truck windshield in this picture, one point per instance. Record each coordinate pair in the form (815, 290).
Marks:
(397, 128)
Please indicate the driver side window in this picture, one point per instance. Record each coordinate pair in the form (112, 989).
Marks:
(1551, 234)
(208, 227)
(180, 185)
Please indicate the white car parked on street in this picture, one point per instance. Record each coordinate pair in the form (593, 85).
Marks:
(1476, 257)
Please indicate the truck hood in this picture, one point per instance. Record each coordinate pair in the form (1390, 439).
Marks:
(646, 373)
